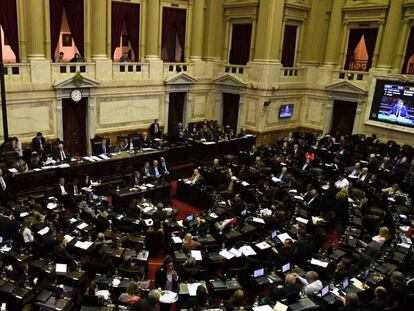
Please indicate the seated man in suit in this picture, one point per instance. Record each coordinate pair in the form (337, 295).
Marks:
(61, 254)
(399, 109)
(306, 166)
(61, 155)
(164, 167)
(290, 291)
(103, 148)
(283, 174)
(146, 171)
(156, 170)
(196, 178)
(134, 180)
(146, 142)
(149, 303)
(314, 203)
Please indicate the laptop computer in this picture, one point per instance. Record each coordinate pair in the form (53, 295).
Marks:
(287, 268)
(259, 276)
(347, 287)
(326, 295)
(61, 268)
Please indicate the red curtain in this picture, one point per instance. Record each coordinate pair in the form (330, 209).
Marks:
(355, 36)
(129, 14)
(74, 14)
(409, 50)
(240, 44)
(173, 18)
(289, 46)
(370, 36)
(8, 21)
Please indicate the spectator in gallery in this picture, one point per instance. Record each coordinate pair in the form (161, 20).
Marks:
(77, 58)
(399, 109)
(60, 58)
(125, 58)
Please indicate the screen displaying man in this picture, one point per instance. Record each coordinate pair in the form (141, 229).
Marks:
(399, 109)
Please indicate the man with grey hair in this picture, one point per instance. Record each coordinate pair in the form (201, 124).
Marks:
(149, 303)
(290, 291)
(311, 282)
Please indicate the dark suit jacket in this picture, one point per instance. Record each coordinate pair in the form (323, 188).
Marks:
(161, 278)
(152, 170)
(36, 144)
(8, 227)
(62, 255)
(143, 174)
(57, 192)
(100, 149)
(57, 155)
(163, 171)
(403, 113)
(152, 130)
(143, 305)
(314, 207)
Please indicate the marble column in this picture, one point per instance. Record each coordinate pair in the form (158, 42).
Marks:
(213, 33)
(390, 37)
(399, 58)
(36, 29)
(334, 32)
(197, 30)
(269, 31)
(378, 44)
(99, 11)
(21, 12)
(152, 29)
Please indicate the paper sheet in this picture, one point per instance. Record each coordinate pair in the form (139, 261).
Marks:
(192, 288)
(177, 239)
(83, 245)
(68, 238)
(258, 220)
(197, 255)
(320, 263)
(82, 226)
(283, 236)
(43, 231)
(247, 250)
(236, 252)
(226, 254)
(263, 308)
(263, 245)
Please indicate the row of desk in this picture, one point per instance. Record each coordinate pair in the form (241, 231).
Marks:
(121, 163)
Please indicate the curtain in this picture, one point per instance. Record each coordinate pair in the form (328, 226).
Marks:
(173, 20)
(128, 14)
(355, 36)
(132, 25)
(56, 14)
(409, 50)
(370, 36)
(74, 14)
(289, 46)
(240, 44)
(8, 21)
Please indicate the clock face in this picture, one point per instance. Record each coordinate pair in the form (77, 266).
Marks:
(76, 95)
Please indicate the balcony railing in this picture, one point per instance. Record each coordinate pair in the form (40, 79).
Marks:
(236, 69)
(62, 70)
(127, 71)
(291, 73)
(171, 69)
(18, 72)
(350, 75)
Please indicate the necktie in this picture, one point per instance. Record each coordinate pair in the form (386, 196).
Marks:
(165, 168)
(156, 172)
(398, 112)
(2, 183)
(62, 155)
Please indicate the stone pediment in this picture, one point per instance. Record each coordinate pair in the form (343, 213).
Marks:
(180, 78)
(345, 87)
(77, 81)
(230, 80)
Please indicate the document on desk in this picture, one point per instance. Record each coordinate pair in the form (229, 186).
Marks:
(150, 185)
(24, 214)
(208, 143)
(143, 255)
(247, 250)
(149, 222)
(192, 288)
(263, 245)
(64, 165)
(245, 183)
(89, 159)
(197, 255)
(213, 215)
(226, 254)
(258, 220)
(104, 156)
(142, 187)
(51, 206)
(147, 209)
(83, 245)
(302, 220)
(316, 219)
(284, 236)
(147, 149)
(103, 292)
(177, 239)
(320, 263)
(263, 308)
(357, 283)
(298, 197)
(13, 170)
(236, 252)
(68, 238)
(96, 158)
(293, 191)
(43, 231)
(82, 226)
(275, 179)
(280, 307)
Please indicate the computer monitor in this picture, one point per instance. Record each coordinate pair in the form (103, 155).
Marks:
(345, 283)
(189, 217)
(258, 272)
(286, 267)
(61, 268)
(325, 291)
(95, 197)
(274, 234)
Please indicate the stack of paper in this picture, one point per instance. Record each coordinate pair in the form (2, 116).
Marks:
(83, 245)
(258, 220)
(197, 255)
(236, 252)
(68, 238)
(226, 254)
(104, 156)
(302, 220)
(192, 288)
(51, 206)
(320, 263)
(82, 226)
(89, 159)
(263, 245)
(284, 236)
(177, 239)
(247, 250)
(43, 231)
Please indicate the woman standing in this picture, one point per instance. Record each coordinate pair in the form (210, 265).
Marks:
(166, 278)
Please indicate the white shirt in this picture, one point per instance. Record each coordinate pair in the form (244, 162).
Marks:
(62, 155)
(2, 183)
(27, 235)
(311, 288)
(62, 189)
(342, 183)
(379, 239)
(362, 177)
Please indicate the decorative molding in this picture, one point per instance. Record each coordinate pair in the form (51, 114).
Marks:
(77, 81)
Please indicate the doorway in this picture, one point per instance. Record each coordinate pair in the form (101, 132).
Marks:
(343, 117)
(176, 110)
(231, 110)
(74, 126)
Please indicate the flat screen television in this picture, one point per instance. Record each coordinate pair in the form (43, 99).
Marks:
(393, 103)
(286, 111)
